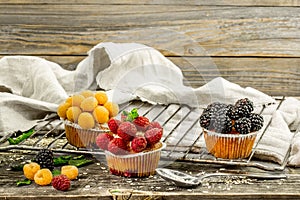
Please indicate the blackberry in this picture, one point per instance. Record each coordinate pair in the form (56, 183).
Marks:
(257, 121)
(242, 108)
(45, 159)
(222, 123)
(243, 125)
(214, 107)
(205, 118)
(215, 117)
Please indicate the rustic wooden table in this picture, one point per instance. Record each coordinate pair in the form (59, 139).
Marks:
(247, 42)
(95, 182)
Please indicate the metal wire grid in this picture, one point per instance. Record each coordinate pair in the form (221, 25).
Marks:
(54, 137)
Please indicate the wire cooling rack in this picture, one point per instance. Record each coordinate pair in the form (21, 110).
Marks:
(182, 134)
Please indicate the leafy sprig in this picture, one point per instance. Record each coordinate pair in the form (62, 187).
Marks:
(20, 138)
(130, 116)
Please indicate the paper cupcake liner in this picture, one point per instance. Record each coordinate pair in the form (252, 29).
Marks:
(81, 138)
(229, 146)
(134, 165)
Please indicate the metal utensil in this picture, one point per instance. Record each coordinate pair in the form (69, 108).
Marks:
(185, 180)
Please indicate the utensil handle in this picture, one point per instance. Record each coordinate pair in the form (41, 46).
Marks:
(249, 175)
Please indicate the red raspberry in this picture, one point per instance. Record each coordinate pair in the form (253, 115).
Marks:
(154, 125)
(113, 125)
(138, 144)
(61, 182)
(141, 123)
(153, 135)
(103, 139)
(117, 146)
(127, 131)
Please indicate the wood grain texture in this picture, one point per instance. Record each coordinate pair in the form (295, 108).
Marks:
(165, 2)
(173, 29)
(95, 182)
(252, 43)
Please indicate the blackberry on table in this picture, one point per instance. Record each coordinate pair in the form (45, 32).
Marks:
(257, 121)
(243, 125)
(45, 159)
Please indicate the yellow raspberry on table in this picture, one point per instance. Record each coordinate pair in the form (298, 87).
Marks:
(30, 169)
(70, 171)
(43, 177)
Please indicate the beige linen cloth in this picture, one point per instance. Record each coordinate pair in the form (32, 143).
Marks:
(130, 71)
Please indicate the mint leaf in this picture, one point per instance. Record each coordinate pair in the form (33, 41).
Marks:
(62, 160)
(24, 182)
(79, 162)
(56, 172)
(20, 138)
(132, 115)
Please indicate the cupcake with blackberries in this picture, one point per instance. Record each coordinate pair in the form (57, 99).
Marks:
(133, 145)
(230, 130)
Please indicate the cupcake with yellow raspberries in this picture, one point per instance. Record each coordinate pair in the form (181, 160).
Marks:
(86, 115)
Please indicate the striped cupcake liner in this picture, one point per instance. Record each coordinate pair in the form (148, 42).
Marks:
(229, 146)
(82, 138)
(134, 165)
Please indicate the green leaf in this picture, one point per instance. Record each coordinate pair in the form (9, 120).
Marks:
(132, 115)
(20, 138)
(24, 182)
(62, 160)
(56, 172)
(79, 162)
(114, 191)
(17, 167)
(125, 113)
(78, 157)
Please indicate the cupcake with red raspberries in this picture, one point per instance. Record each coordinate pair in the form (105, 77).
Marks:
(133, 146)
(85, 116)
(230, 130)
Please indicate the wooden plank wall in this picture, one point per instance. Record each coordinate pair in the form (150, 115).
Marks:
(249, 42)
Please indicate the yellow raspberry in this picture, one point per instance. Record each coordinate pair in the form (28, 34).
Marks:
(30, 169)
(69, 100)
(70, 171)
(86, 120)
(101, 97)
(43, 177)
(89, 104)
(87, 93)
(77, 99)
(101, 114)
(112, 108)
(62, 110)
(73, 113)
